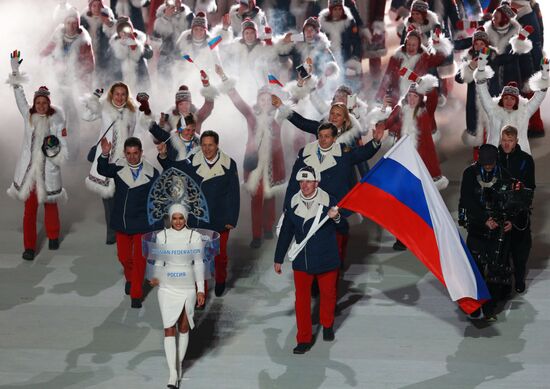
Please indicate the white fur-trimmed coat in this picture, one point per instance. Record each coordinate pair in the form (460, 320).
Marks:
(236, 20)
(75, 66)
(203, 57)
(251, 63)
(500, 40)
(500, 117)
(424, 29)
(129, 57)
(125, 122)
(171, 27)
(34, 169)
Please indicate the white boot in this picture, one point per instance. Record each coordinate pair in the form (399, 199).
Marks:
(171, 359)
(183, 341)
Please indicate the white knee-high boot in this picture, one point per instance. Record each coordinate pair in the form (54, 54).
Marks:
(183, 341)
(171, 358)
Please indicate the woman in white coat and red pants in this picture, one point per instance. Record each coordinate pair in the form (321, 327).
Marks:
(37, 178)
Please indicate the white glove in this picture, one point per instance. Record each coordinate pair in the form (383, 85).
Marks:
(98, 92)
(15, 61)
(545, 69)
(482, 60)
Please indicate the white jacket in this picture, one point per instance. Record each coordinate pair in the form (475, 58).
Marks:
(124, 126)
(500, 117)
(34, 169)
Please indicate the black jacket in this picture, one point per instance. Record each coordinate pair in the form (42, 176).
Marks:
(129, 214)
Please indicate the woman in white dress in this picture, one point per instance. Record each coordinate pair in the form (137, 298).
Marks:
(181, 286)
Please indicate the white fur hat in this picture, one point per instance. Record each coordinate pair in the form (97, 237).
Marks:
(178, 208)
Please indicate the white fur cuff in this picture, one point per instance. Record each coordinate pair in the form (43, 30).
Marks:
(426, 83)
(17, 79)
(284, 112)
(209, 92)
(445, 46)
(536, 82)
(227, 85)
(521, 46)
(472, 140)
(483, 76)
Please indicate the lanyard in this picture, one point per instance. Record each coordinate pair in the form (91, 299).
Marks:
(135, 172)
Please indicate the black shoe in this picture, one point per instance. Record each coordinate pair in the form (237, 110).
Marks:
(127, 287)
(268, 235)
(171, 386)
(255, 243)
(491, 317)
(476, 315)
(398, 246)
(53, 244)
(328, 334)
(302, 348)
(219, 288)
(520, 286)
(28, 255)
(136, 303)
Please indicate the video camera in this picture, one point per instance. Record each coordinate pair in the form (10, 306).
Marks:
(508, 199)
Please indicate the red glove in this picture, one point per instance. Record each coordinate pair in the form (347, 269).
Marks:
(525, 32)
(143, 100)
(268, 35)
(204, 79)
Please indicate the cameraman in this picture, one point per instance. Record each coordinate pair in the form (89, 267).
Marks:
(488, 234)
(518, 167)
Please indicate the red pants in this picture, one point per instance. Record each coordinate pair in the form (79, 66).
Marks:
(132, 261)
(263, 213)
(220, 261)
(327, 297)
(375, 67)
(342, 241)
(51, 221)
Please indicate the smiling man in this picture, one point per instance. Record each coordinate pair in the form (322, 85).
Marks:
(133, 178)
(216, 174)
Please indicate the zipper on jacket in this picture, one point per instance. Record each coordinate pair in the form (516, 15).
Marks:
(305, 247)
(124, 212)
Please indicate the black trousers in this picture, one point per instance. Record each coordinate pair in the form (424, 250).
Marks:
(520, 247)
(108, 205)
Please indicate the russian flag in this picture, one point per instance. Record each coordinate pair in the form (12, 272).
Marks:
(399, 194)
(212, 43)
(187, 58)
(273, 80)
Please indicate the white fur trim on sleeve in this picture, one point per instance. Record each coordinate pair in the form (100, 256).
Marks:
(445, 46)
(377, 115)
(284, 112)
(472, 140)
(335, 69)
(465, 71)
(426, 83)
(520, 46)
(481, 77)
(227, 85)
(441, 183)
(354, 65)
(301, 92)
(536, 82)
(17, 79)
(209, 92)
